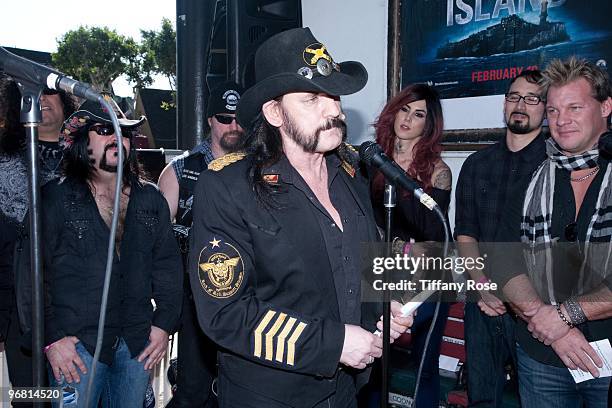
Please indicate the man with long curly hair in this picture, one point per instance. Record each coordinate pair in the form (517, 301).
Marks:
(77, 212)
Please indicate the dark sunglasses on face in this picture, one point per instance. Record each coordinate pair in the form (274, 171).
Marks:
(108, 130)
(225, 119)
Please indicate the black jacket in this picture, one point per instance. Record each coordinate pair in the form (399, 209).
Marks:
(74, 242)
(7, 244)
(263, 284)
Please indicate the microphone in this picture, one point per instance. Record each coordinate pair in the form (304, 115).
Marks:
(23, 69)
(372, 154)
(605, 144)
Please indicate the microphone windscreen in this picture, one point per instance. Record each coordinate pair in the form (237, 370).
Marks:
(368, 150)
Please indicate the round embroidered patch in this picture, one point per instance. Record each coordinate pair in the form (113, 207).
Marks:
(220, 269)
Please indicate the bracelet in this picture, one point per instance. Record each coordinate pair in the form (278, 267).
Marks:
(562, 316)
(48, 347)
(575, 312)
(397, 246)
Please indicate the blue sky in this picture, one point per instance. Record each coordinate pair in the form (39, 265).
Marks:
(37, 24)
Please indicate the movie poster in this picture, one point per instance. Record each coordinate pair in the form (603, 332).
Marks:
(474, 47)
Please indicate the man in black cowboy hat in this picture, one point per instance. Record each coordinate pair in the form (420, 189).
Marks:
(76, 217)
(276, 239)
(196, 364)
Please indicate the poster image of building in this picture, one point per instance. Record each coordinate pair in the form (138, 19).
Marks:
(474, 47)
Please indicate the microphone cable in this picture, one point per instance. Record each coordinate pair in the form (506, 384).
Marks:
(110, 254)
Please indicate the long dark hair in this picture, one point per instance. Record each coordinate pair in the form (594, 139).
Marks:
(264, 147)
(427, 150)
(12, 132)
(78, 165)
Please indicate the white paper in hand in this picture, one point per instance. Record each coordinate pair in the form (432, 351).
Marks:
(604, 351)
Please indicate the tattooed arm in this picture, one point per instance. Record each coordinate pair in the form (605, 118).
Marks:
(442, 177)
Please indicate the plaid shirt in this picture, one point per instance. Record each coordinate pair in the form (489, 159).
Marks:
(486, 180)
(204, 148)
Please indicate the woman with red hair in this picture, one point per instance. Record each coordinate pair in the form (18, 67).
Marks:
(409, 130)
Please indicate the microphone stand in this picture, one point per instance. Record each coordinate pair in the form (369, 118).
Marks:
(31, 116)
(389, 203)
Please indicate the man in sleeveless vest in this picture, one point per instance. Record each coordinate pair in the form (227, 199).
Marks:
(196, 353)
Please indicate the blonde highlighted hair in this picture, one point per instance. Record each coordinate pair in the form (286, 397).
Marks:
(559, 73)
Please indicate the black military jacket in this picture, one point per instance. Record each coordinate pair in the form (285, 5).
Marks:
(263, 284)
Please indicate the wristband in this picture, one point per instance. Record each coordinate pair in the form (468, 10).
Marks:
(575, 312)
(562, 316)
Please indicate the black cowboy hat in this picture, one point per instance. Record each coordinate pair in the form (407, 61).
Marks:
(93, 112)
(295, 61)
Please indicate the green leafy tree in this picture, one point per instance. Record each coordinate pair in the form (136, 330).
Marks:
(158, 52)
(98, 55)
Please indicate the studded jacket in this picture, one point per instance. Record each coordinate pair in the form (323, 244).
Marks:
(74, 241)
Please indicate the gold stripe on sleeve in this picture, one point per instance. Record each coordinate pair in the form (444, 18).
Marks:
(260, 328)
(280, 345)
(291, 343)
(272, 333)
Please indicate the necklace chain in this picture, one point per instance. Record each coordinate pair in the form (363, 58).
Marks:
(108, 209)
(578, 179)
(52, 170)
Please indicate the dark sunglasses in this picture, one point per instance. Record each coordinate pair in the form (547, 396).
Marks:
(48, 91)
(108, 130)
(225, 119)
(571, 231)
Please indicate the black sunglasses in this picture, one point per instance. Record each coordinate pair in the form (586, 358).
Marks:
(108, 130)
(225, 119)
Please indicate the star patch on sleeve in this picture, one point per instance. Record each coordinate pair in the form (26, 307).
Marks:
(220, 269)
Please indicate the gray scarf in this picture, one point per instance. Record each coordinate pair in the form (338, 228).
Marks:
(537, 219)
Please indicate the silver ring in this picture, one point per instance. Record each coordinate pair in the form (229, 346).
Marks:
(371, 360)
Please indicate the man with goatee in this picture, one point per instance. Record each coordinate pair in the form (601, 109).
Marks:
(77, 211)
(196, 365)
(488, 178)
